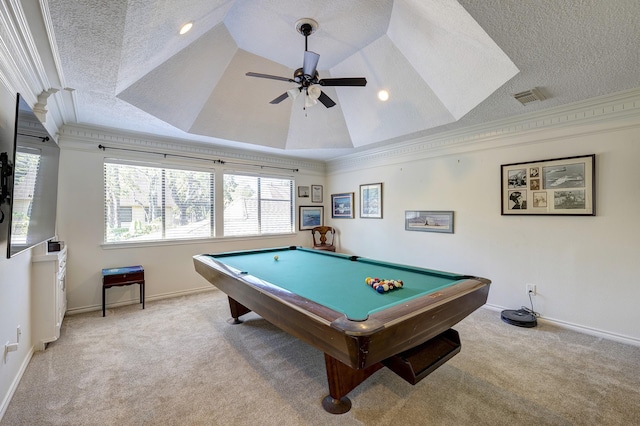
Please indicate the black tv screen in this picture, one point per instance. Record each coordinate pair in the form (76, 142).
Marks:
(33, 188)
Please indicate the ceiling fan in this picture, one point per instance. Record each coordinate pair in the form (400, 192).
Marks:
(307, 77)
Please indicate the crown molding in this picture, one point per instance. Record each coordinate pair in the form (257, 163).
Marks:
(88, 138)
(66, 102)
(19, 57)
(14, 72)
(22, 69)
(608, 112)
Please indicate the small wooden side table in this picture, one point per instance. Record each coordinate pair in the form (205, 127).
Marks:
(116, 277)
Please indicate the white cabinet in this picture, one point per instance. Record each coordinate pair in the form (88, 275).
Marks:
(48, 296)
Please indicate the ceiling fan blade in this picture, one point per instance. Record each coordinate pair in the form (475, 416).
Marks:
(280, 98)
(310, 63)
(271, 77)
(326, 101)
(356, 81)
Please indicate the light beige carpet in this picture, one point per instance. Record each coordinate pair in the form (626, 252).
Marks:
(178, 362)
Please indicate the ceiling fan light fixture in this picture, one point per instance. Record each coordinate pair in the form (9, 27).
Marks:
(293, 93)
(314, 91)
(309, 102)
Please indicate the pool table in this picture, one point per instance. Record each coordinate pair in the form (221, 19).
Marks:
(322, 298)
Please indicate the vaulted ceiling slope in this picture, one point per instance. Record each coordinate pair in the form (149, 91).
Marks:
(445, 64)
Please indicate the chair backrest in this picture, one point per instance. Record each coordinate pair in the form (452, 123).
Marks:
(323, 237)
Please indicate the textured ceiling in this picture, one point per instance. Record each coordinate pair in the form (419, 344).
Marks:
(446, 64)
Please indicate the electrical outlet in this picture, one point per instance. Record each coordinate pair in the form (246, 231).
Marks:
(531, 289)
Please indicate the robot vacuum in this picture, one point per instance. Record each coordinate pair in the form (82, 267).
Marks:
(520, 318)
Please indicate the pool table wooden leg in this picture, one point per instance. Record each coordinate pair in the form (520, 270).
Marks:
(237, 310)
(342, 380)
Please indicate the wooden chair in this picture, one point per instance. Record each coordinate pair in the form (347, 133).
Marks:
(320, 241)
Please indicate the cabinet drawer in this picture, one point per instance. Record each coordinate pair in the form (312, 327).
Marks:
(123, 278)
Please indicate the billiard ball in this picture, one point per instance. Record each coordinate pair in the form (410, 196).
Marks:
(275, 257)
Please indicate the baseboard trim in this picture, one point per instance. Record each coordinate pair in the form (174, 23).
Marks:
(579, 328)
(14, 384)
(559, 323)
(169, 295)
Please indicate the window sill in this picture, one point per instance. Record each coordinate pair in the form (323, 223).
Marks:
(216, 240)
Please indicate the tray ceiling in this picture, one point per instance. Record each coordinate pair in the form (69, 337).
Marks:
(445, 64)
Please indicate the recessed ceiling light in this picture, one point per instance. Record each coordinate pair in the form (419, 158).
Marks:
(185, 28)
(383, 95)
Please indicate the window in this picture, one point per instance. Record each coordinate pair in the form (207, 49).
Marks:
(257, 205)
(27, 169)
(144, 203)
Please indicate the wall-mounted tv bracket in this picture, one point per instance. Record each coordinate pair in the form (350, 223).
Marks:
(6, 169)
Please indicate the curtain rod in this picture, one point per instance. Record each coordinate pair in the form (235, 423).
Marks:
(102, 147)
(42, 138)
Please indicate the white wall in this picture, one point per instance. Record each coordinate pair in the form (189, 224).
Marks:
(15, 273)
(168, 268)
(585, 268)
(14, 278)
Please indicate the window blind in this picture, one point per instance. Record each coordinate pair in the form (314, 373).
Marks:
(257, 205)
(147, 203)
(27, 170)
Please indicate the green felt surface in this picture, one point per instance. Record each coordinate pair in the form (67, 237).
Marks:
(336, 281)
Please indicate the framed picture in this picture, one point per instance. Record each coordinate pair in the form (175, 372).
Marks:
(563, 186)
(310, 217)
(342, 205)
(316, 193)
(428, 221)
(371, 200)
(303, 191)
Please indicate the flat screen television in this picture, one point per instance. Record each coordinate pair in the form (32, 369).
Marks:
(33, 185)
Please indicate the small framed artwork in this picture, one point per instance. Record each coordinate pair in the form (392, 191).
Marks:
(310, 217)
(303, 191)
(316, 193)
(428, 221)
(342, 205)
(562, 186)
(371, 200)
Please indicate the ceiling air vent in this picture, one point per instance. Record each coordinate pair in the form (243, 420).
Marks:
(529, 96)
